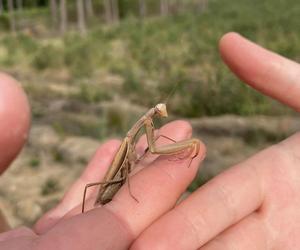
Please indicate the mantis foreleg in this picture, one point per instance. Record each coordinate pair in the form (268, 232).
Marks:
(192, 144)
(147, 149)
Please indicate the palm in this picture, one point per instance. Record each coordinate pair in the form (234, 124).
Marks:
(280, 209)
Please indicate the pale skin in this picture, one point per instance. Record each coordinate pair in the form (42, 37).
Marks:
(253, 205)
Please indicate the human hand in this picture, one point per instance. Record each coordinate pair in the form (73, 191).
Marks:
(158, 184)
(237, 209)
(255, 204)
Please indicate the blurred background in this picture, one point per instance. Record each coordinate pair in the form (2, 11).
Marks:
(91, 68)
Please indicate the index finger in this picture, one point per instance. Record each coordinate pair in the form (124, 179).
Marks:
(264, 70)
(208, 211)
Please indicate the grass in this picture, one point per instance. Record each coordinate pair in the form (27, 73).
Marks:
(259, 136)
(50, 186)
(34, 162)
(153, 55)
(91, 94)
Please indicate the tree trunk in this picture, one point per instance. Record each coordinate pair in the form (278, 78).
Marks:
(20, 5)
(11, 16)
(80, 17)
(177, 6)
(108, 11)
(63, 16)
(89, 8)
(164, 7)
(143, 8)
(33, 3)
(202, 5)
(53, 7)
(115, 10)
(1, 7)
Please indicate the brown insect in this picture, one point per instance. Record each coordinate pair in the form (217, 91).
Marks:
(126, 157)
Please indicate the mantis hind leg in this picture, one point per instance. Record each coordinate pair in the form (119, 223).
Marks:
(128, 170)
(97, 184)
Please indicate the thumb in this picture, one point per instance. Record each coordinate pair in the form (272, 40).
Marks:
(15, 120)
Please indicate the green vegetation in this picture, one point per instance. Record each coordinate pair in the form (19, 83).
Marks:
(50, 186)
(58, 156)
(257, 137)
(91, 94)
(47, 56)
(34, 162)
(153, 55)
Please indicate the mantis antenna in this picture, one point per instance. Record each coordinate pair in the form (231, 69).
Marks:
(171, 93)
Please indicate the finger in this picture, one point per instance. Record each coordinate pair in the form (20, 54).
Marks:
(248, 234)
(15, 120)
(214, 207)
(266, 71)
(123, 219)
(16, 233)
(155, 198)
(20, 238)
(94, 172)
(73, 197)
(256, 231)
(168, 129)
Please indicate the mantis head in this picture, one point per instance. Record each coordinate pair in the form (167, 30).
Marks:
(161, 110)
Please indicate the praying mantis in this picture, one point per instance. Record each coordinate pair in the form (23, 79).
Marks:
(126, 156)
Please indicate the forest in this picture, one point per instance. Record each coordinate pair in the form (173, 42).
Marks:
(63, 12)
